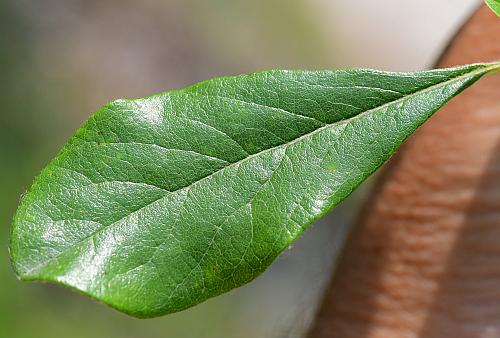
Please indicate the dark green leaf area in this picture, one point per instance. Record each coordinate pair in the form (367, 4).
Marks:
(157, 204)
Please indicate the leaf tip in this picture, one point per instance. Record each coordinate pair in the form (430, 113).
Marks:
(494, 5)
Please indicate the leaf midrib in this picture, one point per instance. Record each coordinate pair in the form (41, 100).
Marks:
(484, 68)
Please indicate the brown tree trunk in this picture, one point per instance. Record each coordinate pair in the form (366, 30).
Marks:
(424, 260)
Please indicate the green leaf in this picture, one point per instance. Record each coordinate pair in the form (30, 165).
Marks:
(157, 204)
(494, 5)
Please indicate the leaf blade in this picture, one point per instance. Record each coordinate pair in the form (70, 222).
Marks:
(239, 168)
(494, 5)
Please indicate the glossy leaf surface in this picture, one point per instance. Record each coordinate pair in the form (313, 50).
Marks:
(157, 204)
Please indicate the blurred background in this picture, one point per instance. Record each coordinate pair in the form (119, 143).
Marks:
(60, 60)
